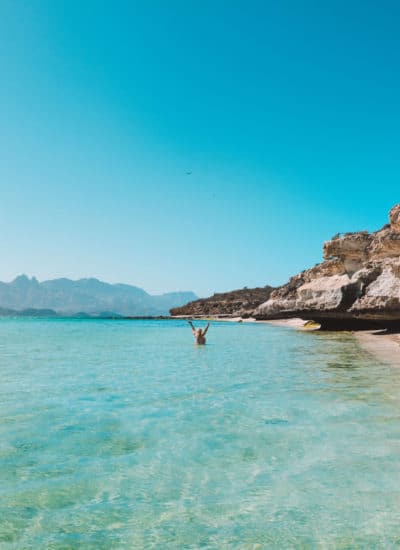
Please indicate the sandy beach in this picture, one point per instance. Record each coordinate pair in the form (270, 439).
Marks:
(383, 344)
(296, 322)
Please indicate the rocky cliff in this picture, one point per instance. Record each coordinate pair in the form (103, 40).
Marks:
(357, 285)
(238, 303)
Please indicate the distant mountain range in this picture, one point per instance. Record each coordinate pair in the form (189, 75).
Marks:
(85, 296)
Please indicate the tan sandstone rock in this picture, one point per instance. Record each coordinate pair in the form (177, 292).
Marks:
(394, 216)
(357, 284)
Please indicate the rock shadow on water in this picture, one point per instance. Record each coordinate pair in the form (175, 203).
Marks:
(276, 421)
(350, 365)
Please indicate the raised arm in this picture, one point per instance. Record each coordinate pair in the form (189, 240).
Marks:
(192, 326)
(205, 330)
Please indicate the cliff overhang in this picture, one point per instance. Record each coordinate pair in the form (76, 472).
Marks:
(356, 286)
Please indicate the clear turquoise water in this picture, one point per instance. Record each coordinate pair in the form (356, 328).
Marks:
(118, 434)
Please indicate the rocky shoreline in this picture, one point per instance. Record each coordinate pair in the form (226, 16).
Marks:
(356, 287)
(237, 303)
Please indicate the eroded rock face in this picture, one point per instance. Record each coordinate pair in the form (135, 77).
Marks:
(386, 244)
(394, 217)
(358, 283)
(351, 250)
(382, 297)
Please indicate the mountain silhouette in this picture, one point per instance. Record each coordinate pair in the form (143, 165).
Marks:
(87, 295)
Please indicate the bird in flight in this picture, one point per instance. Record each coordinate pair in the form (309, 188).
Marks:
(188, 172)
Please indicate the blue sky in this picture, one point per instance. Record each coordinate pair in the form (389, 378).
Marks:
(286, 113)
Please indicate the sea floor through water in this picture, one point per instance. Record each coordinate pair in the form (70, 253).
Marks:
(124, 434)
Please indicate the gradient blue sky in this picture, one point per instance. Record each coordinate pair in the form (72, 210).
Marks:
(287, 113)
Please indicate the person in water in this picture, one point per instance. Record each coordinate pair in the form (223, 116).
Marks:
(199, 334)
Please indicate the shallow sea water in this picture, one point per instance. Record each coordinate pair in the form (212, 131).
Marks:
(123, 434)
